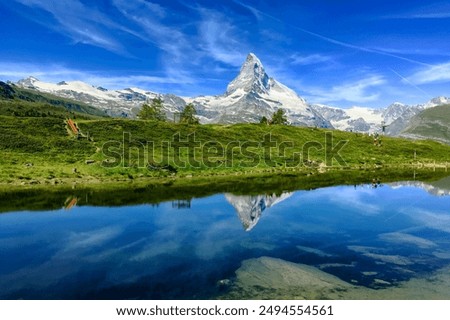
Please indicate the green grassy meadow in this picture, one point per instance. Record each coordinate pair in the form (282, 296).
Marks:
(38, 148)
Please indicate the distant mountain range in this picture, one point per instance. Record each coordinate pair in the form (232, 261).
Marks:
(125, 103)
(250, 96)
(395, 117)
(432, 123)
(27, 102)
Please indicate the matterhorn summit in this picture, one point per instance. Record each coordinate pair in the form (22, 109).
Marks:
(251, 95)
(251, 78)
(254, 94)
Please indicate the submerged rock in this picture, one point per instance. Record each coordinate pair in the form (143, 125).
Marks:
(271, 278)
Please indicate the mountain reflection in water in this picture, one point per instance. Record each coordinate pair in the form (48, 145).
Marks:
(194, 247)
(250, 208)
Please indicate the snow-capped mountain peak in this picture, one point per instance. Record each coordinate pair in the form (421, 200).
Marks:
(252, 95)
(252, 77)
(393, 118)
(122, 103)
(438, 101)
(28, 82)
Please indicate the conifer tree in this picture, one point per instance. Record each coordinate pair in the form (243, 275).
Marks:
(279, 117)
(188, 115)
(154, 111)
(264, 120)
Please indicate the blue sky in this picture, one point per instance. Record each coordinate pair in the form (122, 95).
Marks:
(343, 53)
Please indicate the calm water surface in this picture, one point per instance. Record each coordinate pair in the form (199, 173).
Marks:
(183, 249)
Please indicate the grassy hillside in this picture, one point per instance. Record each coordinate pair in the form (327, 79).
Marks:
(16, 101)
(433, 123)
(40, 150)
(21, 108)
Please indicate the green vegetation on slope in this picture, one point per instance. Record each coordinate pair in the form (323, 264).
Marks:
(21, 108)
(39, 150)
(248, 145)
(16, 101)
(433, 123)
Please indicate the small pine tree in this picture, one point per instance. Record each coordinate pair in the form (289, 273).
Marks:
(188, 115)
(279, 117)
(153, 111)
(264, 120)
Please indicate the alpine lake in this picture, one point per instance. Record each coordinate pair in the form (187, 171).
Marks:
(360, 235)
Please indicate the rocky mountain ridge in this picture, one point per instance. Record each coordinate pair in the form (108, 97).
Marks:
(250, 96)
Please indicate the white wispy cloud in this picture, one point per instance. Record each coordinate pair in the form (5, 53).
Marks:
(400, 238)
(436, 73)
(431, 219)
(405, 80)
(90, 239)
(298, 59)
(356, 91)
(155, 8)
(272, 35)
(141, 19)
(362, 201)
(415, 51)
(439, 10)
(260, 15)
(147, 19)
(430, 15)
(192, 42)
(219, 38)
(55, 73)
(216, 36)
(434, 15)
(80, 23)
